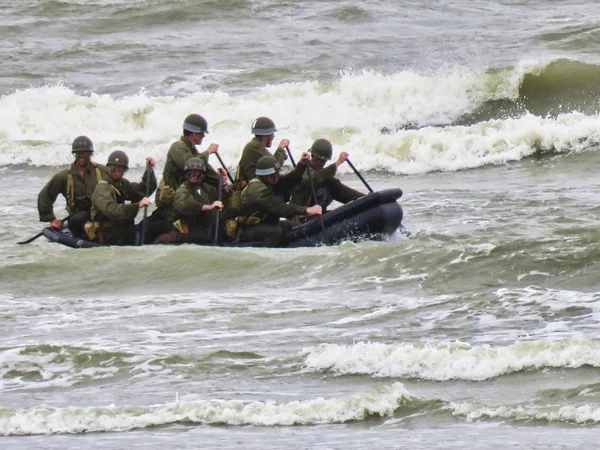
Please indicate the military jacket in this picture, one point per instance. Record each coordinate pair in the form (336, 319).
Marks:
(323, 179)
(108, 200)
(253, 151)
(188, 203)
(265, 201)
(83, 188)
(177, 156)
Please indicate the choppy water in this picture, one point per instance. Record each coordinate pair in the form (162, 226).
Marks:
(478, 331)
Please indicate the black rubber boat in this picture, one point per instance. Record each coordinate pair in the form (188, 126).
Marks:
(372, 217)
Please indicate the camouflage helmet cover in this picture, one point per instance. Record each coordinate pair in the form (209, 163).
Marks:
(194, 164)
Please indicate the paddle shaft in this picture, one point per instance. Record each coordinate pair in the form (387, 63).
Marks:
(314, 192)
(224, 167)
(359, 176)
(220, 196)
(291, 157)
(143, 234)
(33, 238)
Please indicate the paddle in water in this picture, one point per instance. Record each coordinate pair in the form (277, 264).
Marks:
(33, 238)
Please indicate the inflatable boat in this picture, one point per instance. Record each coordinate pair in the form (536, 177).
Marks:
(372, 217)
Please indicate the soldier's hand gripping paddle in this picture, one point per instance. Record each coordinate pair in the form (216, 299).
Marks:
(33, 238)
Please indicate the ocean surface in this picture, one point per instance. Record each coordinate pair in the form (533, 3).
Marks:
(480, 330)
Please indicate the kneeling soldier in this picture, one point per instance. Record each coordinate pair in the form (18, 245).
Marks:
(195, 205)
(262, 202)
(113, 219)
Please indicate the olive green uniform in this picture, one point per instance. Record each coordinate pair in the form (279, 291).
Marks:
(327, 187)
(78, 196)
(252, 152)
(187, 207)
(109, 208)
(174, 174)
(264, 203)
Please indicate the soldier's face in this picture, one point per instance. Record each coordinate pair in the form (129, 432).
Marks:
(273, 178)
(82, 159)
(317, 163)
(116, 172)
(195, 176)
(269, 140)
(196, 138)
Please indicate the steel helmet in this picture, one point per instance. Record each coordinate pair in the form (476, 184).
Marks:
(267, 165)
(118, 158)
(321, 149)
(82, 144)
(263, 126)
(195, 123)
(194, 164)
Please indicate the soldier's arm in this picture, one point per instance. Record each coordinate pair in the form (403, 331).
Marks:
(291, 179)
(104, 199)
(280, 155)
(49, 193)
(212, 177)
(185, 204)
(137, 191)
(342, 193)
(275, 205)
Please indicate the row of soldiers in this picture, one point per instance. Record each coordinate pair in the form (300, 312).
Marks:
(103, 204)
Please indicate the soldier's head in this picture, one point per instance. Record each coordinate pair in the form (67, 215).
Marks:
(267, 168)
(320, 153)
(195, 171)
(82, 148)
(264, 129)
(117, 164)
(195, 127)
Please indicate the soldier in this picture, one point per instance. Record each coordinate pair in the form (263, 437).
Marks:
(264, 130)
(113, 220)
(195, 127)
(76, 183)
(195, 205)
(262, 204)
(327, 187)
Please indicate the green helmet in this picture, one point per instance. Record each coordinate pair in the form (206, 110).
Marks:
(194, 164)
(118, 158)
(321, 149)
(82, 144)
(267, 165)
(263, 126)
(196, 124)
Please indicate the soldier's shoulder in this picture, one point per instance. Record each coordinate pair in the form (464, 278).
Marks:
(61, 175)
(178, 145)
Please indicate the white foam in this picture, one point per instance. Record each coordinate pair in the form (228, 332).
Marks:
(38, 125)
(551, 413)
(451, 360)
(47, 420)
